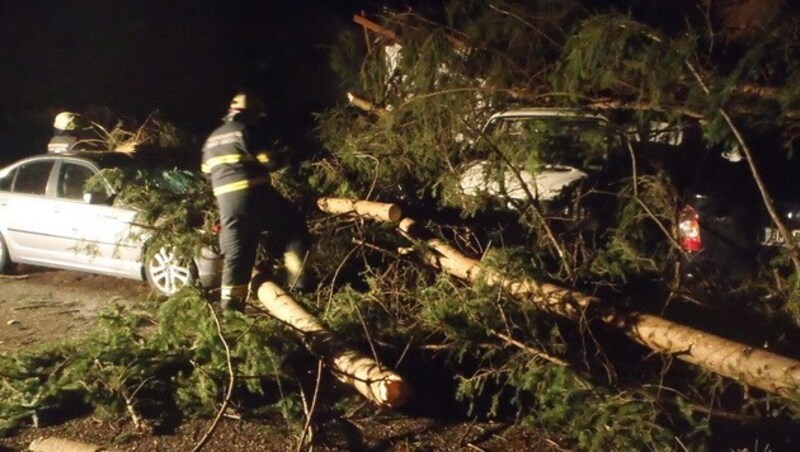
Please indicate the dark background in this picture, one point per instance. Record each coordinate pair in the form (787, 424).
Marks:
(185, 58)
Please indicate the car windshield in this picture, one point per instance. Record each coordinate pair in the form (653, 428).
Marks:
(173, 179)
(157, 172)
(551, 140)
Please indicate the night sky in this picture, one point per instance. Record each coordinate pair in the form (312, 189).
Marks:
(184, 58)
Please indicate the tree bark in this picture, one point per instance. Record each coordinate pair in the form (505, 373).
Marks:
(758, 368)
(368, 209)
(549, 297)
(374, 381)
(365, 105)
(752, 366)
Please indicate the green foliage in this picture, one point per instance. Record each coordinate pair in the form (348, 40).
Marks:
(437, 94)
(507, 359)
(175, 207)
(612, 55)
(637, 245)
(472, 59)
(127, 365)
(174, 203)
(562, 402)
(400, 306)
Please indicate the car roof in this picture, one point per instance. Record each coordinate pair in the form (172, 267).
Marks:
(533, 112)
(108, 159)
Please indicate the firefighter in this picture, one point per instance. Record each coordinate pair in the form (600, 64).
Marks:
(238, 164)
(66, 128)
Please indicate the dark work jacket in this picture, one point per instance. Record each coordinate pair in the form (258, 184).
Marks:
(61, 143)
(234, 159)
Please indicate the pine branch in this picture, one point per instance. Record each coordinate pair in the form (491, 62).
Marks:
(231, 384)
(537, 353)
(310, 411)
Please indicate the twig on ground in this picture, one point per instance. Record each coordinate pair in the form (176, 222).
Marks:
(310, 411)
(69, 311)
(467, 432)
(129, 402)
(35, 306)
(369, 337)
(537, 353)
(555, 444)
(26, 276)
(231, 384)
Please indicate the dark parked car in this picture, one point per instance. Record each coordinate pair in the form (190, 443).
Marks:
(48, 218)
(722, 225)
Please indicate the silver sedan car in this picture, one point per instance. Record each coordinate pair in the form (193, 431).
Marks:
(47, 218)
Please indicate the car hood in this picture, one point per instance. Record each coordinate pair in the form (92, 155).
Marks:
(545, 185)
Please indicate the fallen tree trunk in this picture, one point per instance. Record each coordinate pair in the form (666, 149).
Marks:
(549, 297)
(374, 381)
(751, 366)
(367, 209)
(754, 367)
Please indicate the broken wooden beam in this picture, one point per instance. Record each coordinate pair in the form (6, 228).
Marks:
(367, 209)
(373, 27)
(371, 379)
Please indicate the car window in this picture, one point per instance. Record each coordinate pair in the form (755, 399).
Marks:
(32, 177)
(6, 179)
(572, 141)
(72, 180)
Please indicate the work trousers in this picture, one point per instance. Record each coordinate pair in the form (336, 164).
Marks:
(246, 216)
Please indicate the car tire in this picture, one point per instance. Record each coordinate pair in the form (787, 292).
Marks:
(166, 274)
(6, 266)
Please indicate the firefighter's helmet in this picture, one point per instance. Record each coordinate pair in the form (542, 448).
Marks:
(247, 102)
(67, 121)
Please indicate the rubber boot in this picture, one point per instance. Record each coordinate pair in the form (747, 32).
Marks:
(232, 304)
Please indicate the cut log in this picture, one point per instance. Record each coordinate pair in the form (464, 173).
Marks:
(365, 105)
(63, 445)
(368, 209)
(374, 381)
(758, 368)
(752, 366)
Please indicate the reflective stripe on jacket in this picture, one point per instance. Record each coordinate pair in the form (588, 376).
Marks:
(229, 159)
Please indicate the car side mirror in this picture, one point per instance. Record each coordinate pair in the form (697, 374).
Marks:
(96, 198)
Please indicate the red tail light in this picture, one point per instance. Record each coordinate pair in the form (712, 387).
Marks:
(689, 230)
